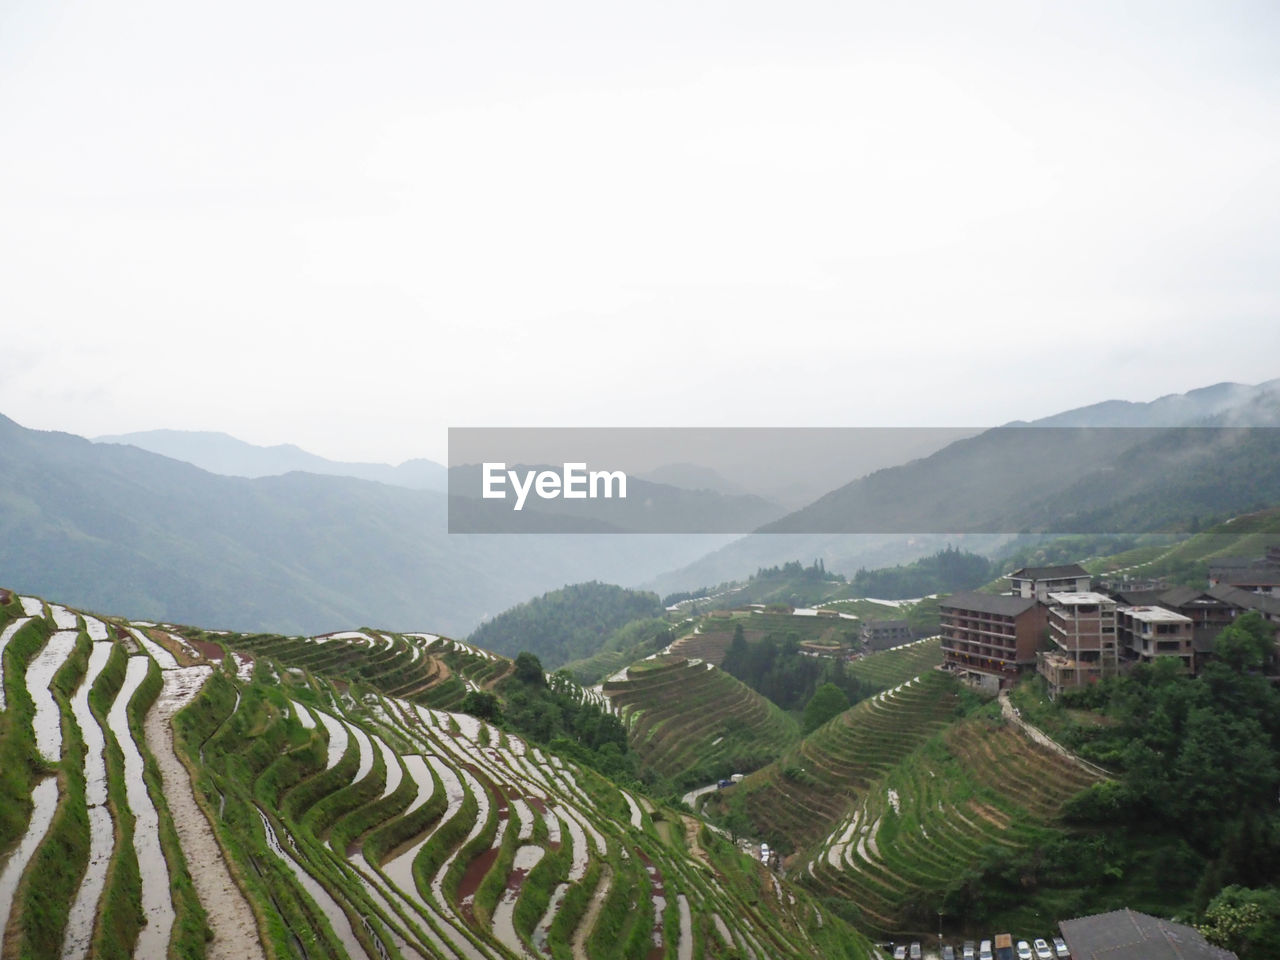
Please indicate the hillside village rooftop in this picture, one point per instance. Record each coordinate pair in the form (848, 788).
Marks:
(1155, 614)
(1077, 598)
(1129, 935)
(1038, 582)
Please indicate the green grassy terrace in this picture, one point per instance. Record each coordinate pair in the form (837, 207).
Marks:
(692, 722)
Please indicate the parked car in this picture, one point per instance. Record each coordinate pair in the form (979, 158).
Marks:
(1042, 950)
(948, 952)
(969, 951)
(899, 953)
(1004, 946)
(916, 952)
(984, 951)
(1060, 948)
(1024, 950)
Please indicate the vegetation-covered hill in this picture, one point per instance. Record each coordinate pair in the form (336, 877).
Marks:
(1064, 478)
(354, 822)
(566, 624)
(946, 571)
(116, 528)
(936, 815)
(795, 800)
(224, 454)
(694, 723)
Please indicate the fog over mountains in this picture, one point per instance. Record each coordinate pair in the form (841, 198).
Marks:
(123, 530)
(126, 530)
(223, 454)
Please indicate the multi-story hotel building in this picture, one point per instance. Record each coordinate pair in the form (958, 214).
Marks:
(1150, 632)
(988, 640)
(1082, 627)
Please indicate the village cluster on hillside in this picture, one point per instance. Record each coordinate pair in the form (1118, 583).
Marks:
(1098, 630)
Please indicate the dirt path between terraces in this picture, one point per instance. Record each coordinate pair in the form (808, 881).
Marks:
(1014, 716)
(588, 921)
(235, 932)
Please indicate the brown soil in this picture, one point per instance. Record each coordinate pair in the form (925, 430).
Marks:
(208, 649)
(235, 931)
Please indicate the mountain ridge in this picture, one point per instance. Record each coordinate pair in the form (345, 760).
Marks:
(221, 453)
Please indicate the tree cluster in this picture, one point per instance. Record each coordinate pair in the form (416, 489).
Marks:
(774, 668)
(550, 712)
(571, 623)
(946, 571)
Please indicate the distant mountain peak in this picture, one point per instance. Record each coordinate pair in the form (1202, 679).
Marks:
(229, 456)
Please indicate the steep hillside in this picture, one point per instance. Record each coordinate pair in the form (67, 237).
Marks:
(224, 454)
(330, 817)
(998, 481)
(1187, 560)
(693, 723)
(1059, 480)
(566, 624)
(796, 800)
(889, 668)
(936, 815)
(117, 528)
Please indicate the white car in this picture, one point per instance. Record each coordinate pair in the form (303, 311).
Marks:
(1043, 952)
(1024, 950)
(984, 951)
(1060, 948)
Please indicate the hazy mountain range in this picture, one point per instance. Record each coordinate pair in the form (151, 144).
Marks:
(123, 530)
(126, 530)
(1002, 480)
(223, 454)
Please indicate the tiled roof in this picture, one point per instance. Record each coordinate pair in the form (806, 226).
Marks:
(999, 604)
(1129, 935)
(1050, 573)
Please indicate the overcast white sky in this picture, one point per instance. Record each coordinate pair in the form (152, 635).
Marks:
(350, 226)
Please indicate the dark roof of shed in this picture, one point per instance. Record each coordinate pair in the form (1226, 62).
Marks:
(1244, 570)
(1178, 596)
(1246, 599)
(1129, 935)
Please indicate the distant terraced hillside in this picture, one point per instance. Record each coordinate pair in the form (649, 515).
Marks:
(892, 667)
(710, 643)
(796, 800)
(980, 785)
(690, 721)
(432, 670)
(167, 791)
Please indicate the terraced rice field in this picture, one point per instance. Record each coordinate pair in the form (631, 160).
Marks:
(91, 856)
(711, 641)
(982, 784)
(197, 800)
(888, 668)
(688, 714)
(418, 666)
(795, 800)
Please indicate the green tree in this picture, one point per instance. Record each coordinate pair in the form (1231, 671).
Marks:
(827, 701)
(482, 704)
(528, 669)
(1246, 921)
(1245, 646)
